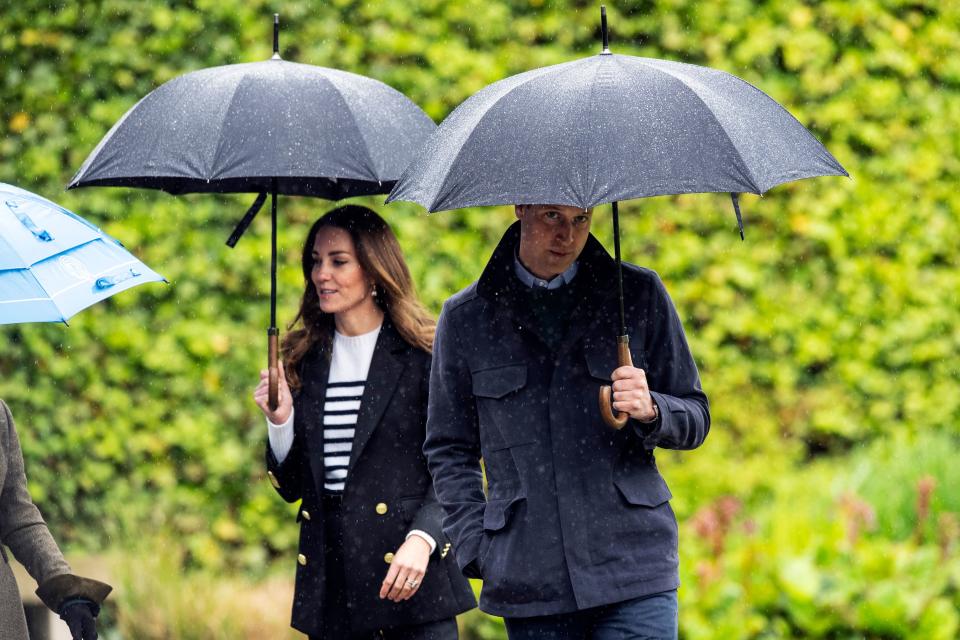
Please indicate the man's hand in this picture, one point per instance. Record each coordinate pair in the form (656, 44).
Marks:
(407, 570)
(632, 395)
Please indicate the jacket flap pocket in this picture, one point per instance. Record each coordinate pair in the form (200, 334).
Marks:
(601, 363)
(602, 360)
(643, 487)
(497, 511)
(499, 381)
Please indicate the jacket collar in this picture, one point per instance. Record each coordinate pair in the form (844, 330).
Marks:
(386, 368)
(596, 269)
(595, 284)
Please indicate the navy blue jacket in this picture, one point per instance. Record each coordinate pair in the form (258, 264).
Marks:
(387, 494)
(575, 514)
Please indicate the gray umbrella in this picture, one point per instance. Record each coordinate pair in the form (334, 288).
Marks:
(266, 127)
(609, 128)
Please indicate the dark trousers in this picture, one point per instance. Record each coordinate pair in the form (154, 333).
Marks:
(652, 617)
(337, 610)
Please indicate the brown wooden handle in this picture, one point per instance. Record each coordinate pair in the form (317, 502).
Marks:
(624, 359)
(273, 340)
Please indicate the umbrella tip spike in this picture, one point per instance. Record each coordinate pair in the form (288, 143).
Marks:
(276, 36)
(603, 30)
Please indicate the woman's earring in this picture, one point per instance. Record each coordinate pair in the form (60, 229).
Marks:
(373, 292)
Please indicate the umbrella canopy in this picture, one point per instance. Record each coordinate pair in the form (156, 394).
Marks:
(271, 126)
(238, 128)
(610, 128)
(53, 263)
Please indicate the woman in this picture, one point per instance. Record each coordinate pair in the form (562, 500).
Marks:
(23, 530)
(346, 439)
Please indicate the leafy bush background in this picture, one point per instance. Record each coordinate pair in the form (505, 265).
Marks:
(828, 341)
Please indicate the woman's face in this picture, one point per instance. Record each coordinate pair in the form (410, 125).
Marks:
(341, 283)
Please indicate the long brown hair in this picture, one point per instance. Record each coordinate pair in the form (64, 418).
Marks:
(382, 260)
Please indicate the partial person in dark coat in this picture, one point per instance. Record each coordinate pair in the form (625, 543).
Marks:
(347, 441)
(574, 536)
(77, 600)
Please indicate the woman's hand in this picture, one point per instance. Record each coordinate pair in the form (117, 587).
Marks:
(284, 398)
(407, 570)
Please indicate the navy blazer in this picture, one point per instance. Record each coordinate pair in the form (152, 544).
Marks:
(575, 514)
(388, 492)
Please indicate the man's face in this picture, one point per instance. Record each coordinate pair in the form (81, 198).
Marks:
(551, 237)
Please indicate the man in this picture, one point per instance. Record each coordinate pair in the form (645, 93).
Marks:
(574, 537)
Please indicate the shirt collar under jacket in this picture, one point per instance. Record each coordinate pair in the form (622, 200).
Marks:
(534, 282)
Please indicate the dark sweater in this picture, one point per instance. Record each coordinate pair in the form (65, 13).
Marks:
(549, 310)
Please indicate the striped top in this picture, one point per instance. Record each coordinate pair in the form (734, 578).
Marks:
(349, 366)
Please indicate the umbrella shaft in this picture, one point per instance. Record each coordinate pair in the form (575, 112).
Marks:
(273, 256)
(616, 251)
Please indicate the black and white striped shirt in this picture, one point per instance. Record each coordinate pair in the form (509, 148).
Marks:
(349, 366)
(340, 410)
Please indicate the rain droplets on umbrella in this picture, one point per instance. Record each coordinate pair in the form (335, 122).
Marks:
(272, 127)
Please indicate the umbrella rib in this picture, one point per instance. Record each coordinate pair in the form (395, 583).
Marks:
(592, 148)
(833, 160)
(96, 150)
(749, 175)
(374, 173)
(215, 160)
(533, 76)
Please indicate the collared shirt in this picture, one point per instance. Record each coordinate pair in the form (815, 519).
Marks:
(534, 282)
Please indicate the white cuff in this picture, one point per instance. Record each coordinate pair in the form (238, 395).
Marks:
(426, 536)
(281, 438)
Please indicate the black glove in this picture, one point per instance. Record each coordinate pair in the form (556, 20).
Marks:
(80, 615)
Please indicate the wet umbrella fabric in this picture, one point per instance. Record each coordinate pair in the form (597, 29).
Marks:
(266, 127)
(235, 129)
(609, 128)
(53, 263)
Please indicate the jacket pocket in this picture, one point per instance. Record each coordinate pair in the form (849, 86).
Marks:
(498, 511)
(496, 515)
(499, 382)
(601, 361)
(503, 409)
(643, 487)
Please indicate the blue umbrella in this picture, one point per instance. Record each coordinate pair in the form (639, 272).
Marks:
(53, 263)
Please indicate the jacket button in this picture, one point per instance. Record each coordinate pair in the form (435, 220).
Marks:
(381, 508)
(302, 559)
(388, 558)
(305, 514)
(273, 480)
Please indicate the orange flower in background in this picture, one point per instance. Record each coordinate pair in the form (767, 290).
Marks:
(19, 122)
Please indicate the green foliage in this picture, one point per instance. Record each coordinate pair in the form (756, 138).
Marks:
(837, 322)
(819, 561)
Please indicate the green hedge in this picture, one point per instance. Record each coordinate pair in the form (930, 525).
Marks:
(835, 324)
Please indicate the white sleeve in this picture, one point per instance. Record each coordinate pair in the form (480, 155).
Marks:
(281, 438)
(426, 536)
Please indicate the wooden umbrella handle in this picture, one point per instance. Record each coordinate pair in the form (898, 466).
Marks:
(273, 340)
(624, 359)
